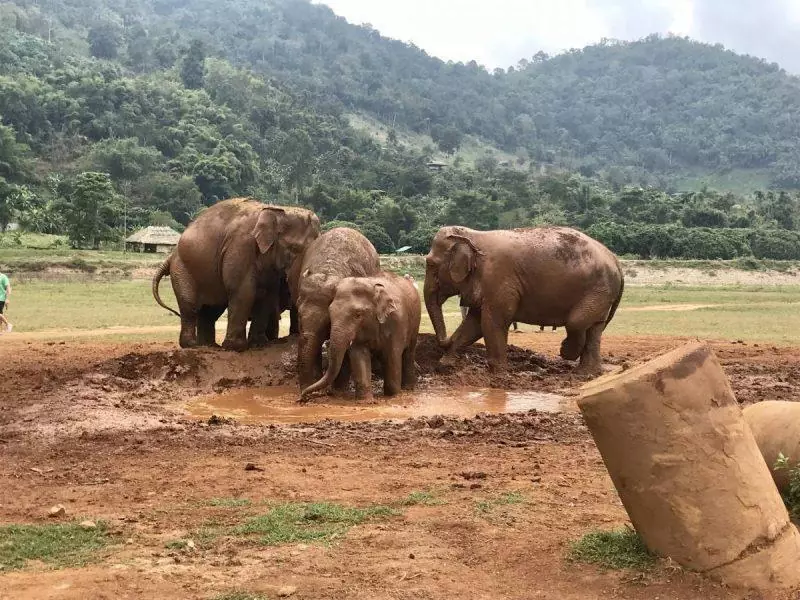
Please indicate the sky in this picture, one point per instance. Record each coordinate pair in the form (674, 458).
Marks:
(498, 33)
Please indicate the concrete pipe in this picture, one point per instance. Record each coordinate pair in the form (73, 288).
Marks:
(689, 472)
(776, 427)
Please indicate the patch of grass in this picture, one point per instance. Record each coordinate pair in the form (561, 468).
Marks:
(238, 595)
(59, 545)
(791, 496)
(228, 502)
(425, 498)
(505, 499)
(618, 549)
(176, 545)
(308, 522)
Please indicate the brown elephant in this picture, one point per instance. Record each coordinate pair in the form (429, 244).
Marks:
(552, 276)
(336, 254)
(234, 256)
(369, 315)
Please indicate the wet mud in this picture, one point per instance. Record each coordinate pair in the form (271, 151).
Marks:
(160, 442)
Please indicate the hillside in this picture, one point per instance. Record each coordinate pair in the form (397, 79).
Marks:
(116, 114)
(652, 111)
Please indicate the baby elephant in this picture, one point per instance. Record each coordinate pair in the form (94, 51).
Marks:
(369, 315)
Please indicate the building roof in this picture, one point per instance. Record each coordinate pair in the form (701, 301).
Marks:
(165, 236)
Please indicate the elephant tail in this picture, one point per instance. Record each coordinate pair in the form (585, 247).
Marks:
(616, 302)
(162, 270)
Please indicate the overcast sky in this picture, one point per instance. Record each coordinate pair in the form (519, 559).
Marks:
(497, 33)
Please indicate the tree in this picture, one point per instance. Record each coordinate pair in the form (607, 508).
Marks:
(447, 138)
(193, 67)
(104, 40)
(91, 209)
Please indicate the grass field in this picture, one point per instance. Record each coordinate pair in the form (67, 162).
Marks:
(756, 313)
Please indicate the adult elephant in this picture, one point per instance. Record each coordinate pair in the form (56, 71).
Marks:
(336, 254)
(233, 256)
(369, 315)
(544, 276)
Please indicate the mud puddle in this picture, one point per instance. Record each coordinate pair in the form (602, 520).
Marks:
(278, 405)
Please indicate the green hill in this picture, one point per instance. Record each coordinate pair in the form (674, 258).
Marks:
(132, 112)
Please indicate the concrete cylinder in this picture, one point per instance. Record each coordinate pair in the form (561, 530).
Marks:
(776, 427)
(689, 472)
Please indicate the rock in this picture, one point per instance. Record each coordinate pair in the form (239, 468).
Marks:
(286, 591)
(190, 545)
(57, 511)
(88, 525)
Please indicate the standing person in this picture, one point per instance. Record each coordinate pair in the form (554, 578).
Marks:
(5, 295)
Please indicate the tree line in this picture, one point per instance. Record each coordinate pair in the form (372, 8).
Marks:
(95, 139)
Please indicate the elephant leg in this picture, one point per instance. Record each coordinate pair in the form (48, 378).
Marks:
(468, 332)
(573, 344)
(590, 363)
(409, 379)
(206, 321)
(392, 371)
(361, 367)
(186, 294)
(263, 324)
(294, 321)
(343, 379)
(240, 308)
(495, 336)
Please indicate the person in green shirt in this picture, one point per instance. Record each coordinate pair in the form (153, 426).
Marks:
(5, 295)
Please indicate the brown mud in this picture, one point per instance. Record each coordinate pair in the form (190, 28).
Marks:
(103, 428)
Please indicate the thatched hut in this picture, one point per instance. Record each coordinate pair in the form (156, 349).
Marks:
(153, 239)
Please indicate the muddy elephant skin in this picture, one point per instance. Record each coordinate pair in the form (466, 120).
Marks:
(373, 316)
(336, 254)
(552, 276)
(234, 256)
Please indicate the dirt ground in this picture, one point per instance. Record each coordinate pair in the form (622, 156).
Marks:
(102, 429)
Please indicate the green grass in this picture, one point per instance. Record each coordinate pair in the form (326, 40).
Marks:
(791, 495)
(237, 595)
(739, 181)
(308, 522)
(176, 544)
(228, 502)
(424, 498)
(506, 499)
(58, 545)
(618, 549)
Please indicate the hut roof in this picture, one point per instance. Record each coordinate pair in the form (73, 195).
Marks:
(155, 235)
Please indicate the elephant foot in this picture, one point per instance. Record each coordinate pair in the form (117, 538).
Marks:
(569, 352)
(588, 370)
(258, 343)
(234, 345)
(188, 343)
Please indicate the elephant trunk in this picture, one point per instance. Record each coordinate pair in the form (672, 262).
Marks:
(341, 339)
(433, 303)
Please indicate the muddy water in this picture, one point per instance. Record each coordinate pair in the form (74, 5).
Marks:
(279, 405)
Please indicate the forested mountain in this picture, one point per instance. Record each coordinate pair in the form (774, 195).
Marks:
(156, 108)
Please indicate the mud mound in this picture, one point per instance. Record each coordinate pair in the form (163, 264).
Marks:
(164, 366)
(526, 369)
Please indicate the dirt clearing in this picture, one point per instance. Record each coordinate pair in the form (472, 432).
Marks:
(480, 506)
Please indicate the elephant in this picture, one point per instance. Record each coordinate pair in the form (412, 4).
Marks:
(336, 254)
(553, 276)
(234, 256)
(379, 315)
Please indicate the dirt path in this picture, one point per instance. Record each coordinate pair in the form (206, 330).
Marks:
(102, 428)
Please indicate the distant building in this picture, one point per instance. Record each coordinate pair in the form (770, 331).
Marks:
(153, 239)
(436, 165)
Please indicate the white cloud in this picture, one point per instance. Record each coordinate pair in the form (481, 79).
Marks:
(497, 33)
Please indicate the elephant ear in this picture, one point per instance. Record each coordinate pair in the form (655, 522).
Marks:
(271, 221)
(463, 257)
(384, 304)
